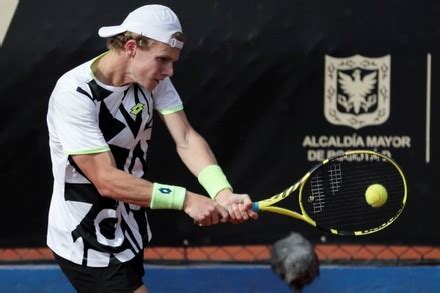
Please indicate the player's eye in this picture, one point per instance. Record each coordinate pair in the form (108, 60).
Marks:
(163, 60)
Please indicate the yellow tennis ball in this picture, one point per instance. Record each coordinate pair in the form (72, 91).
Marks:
(376, 195)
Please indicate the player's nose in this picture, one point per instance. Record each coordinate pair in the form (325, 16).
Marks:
(169, 70)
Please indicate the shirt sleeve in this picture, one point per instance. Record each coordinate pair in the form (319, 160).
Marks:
(166, 99)
(74, 116)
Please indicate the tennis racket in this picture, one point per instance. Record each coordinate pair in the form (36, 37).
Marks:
(332, 194)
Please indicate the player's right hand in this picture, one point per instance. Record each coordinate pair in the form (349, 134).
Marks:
(204, 210)
(239, 206)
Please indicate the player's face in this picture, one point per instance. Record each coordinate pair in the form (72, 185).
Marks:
(153, 65)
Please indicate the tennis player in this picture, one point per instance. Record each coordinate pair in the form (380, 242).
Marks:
(100, 119)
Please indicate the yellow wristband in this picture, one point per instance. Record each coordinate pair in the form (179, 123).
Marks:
(167, 197)
(213, 180)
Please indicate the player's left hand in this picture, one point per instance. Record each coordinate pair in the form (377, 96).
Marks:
(239, 206)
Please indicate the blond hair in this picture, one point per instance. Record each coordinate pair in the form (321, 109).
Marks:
(117, 42)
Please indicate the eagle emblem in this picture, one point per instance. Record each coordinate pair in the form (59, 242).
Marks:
(357, 90)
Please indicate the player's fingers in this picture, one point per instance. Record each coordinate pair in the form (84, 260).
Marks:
(243, 212)
(234, 221)
(239, 213)
(215, 217)
(253, 214)
(247, 202)
(204, 219)
(207, 221)
(223, 213)
(234, 212)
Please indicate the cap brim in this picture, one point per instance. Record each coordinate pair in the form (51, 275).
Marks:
(110, 31)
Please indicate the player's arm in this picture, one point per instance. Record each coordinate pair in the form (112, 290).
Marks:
(200, 160)
(111, 182)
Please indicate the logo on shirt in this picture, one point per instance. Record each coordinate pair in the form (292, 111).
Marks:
(357, 90)
(137, 108)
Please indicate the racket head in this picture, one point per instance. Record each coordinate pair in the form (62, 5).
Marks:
(333, 196)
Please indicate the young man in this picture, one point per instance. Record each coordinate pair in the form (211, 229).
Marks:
(100, 120)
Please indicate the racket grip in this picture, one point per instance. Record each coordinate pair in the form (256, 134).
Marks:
(255, 207)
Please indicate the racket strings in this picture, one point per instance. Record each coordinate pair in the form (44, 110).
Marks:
(334, 196)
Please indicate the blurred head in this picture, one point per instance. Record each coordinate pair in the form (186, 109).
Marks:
(295, 261)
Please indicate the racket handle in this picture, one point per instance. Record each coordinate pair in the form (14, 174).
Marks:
(255, 207)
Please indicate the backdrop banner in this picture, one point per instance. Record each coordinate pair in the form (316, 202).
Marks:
(273, 86)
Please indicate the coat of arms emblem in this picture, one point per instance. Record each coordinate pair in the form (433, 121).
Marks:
(357, 90)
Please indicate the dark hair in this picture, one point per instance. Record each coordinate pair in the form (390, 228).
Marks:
(117, 42)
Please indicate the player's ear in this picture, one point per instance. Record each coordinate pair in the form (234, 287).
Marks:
(130, 48)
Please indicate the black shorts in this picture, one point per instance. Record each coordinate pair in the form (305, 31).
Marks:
(124, 277)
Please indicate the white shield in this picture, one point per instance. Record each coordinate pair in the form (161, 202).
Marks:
(357, 90)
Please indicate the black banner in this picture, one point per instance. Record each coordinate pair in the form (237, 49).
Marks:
(273, 86)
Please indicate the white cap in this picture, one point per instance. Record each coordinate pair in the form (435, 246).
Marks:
(156, 22)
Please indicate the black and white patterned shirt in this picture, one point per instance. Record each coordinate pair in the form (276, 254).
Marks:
(86, 117)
